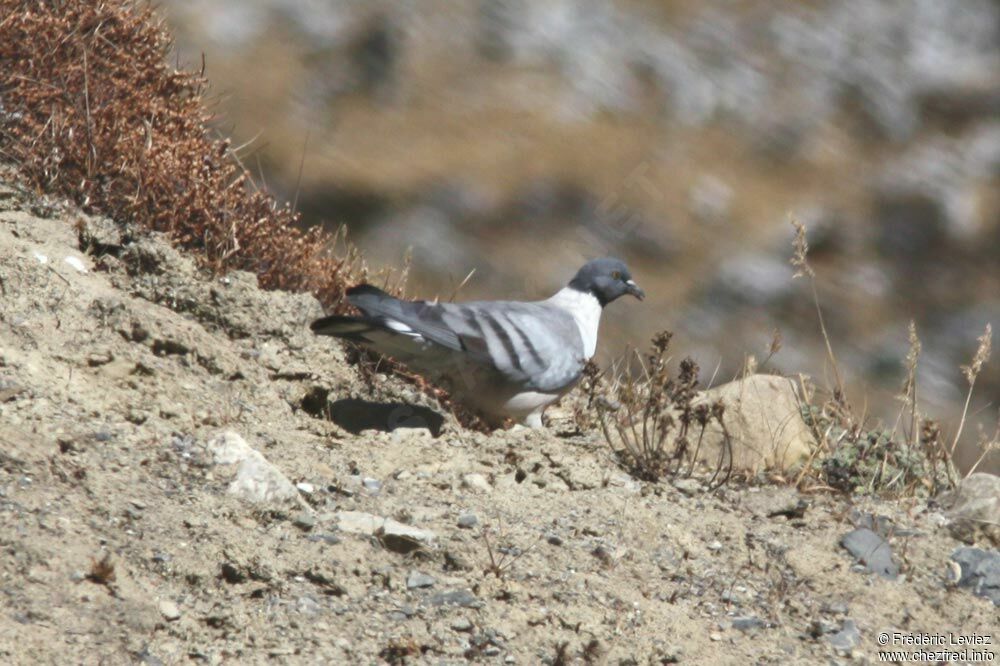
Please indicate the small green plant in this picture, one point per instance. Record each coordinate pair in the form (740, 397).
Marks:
(652, 421)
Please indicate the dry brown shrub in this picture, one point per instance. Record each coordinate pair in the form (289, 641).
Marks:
(91, 110)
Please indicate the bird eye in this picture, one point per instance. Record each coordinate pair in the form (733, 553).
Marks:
(616, 275)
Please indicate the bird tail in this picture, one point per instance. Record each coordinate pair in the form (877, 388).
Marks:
(366, 298)
(341, 326)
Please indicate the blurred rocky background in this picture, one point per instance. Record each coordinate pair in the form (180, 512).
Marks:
(518, 137)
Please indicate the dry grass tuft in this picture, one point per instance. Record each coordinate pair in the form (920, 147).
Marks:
(91, 111)
(910, 459)
(651, 420)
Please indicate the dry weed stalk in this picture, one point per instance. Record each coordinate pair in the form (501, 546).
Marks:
(649, 418)
(800, 262)
(501, 558)
(971, 372)
(987, 445)
(908, 394)
(92, 111)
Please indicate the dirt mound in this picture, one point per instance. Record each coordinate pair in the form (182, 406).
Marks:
(142, 403)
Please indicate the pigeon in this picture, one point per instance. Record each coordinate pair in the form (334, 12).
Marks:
(505, 359)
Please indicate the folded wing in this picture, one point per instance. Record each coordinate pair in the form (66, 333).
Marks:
(535, 346)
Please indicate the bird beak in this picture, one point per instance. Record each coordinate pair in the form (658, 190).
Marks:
(634, 289)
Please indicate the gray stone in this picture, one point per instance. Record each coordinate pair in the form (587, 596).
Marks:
(847, 638)
(462, 624)
(331, 539)
(689, 487)
(307, 606)
(462, 598)
(418, 579)
(748, 623)
(872, 551)
(980, 572)
(468, 520)
(305, 520)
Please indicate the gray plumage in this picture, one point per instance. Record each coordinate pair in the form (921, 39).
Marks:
(503, 358)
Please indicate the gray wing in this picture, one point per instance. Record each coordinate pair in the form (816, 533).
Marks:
(534, 345)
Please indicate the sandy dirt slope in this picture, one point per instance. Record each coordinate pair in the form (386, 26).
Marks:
(118, 375)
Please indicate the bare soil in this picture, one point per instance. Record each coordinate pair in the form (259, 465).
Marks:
(122, 543)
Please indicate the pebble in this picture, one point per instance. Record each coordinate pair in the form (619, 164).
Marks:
(76, 263)
(689, 487)
(835, 608)
(418, 579)
(845, 639)
(476, 482)
(554, 539)
(715, 636)
(256, 479)
(748, 623)
(715, 546)
(169, 610)
(327, 538)
(372, 486)
(462, 598)
(359, 522)
(305, 520)
(403, 433)
(468, 520)
(461, 624)
(871, 550)
(307, 606)
(305, 487)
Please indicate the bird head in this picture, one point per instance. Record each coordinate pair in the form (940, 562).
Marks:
(606, 278)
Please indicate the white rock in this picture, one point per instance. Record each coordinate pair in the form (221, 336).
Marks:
(76, 263)
(476, 482)
(256, 479)
(169, 610)
(359, 522)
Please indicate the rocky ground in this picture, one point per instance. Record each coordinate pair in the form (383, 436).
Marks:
(187, 474)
